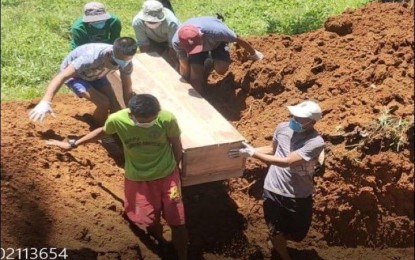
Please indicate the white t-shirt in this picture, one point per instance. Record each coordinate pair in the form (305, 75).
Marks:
(295, 181)
(90, 61)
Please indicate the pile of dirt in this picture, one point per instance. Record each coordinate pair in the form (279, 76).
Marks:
(359, 68)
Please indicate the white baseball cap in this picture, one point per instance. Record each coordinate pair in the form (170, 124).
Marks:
(306, 109)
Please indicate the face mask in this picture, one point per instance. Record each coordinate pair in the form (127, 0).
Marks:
(152, 25)
(98, 25)
(295, 126)
(146, 125)
(121, 63)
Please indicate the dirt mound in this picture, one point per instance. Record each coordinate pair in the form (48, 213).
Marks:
(359, 67)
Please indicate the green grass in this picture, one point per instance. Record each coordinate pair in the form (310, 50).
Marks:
(35, 33)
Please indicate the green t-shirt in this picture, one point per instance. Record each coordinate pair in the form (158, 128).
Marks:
(83, 33)
(148, 153)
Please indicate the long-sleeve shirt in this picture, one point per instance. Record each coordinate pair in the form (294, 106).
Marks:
(83, 33)
(163, 33)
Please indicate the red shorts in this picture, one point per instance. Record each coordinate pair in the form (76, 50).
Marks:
(145, 201)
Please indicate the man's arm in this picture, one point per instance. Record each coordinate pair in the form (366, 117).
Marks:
(39, 112)
(253, 54)
(177, 147)
(184, 68)
(91, 137)
(126, 88)
(115, 30)
(266, 154)
(244, 44)
(145, 48)
(88, 138)
(57, 82)
(269, 149)
(79, 37)
(143, 41)
(291, 159)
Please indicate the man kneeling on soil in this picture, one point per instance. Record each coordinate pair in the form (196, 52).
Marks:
(84, 71)
(201, 45)
(153, 150)
(288, 185)
(154, 28)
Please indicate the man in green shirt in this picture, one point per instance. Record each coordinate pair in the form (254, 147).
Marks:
(153, 151)
(96, 26)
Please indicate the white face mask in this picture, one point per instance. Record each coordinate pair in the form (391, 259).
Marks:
(145, 125)
(152, 25)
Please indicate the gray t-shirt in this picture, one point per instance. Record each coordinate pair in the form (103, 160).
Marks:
(295, 181)
(92, 61)
(163, 33)
(214, 33)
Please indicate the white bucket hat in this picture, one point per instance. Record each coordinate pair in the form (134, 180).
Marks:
(152, 11)
(94, 12)
(306, 109)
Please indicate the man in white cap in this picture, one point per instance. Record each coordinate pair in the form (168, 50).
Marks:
(288, 185)
(154, 27)
(96, 25)
(201, 44)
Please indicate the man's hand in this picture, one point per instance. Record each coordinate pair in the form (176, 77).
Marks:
(40, 111)
(248, 151)
(257, 56)
(184, 69)
(61, 144)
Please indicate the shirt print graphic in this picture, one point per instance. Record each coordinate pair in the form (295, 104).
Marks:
(175, 194)
(305, 168)
(95, 73)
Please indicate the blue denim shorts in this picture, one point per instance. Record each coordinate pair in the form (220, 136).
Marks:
(79, 86)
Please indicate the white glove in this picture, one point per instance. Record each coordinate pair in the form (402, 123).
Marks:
(39, 112)
(248, 151)
(257, 56)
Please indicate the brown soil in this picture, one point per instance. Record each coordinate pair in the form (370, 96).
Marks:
(360, 64)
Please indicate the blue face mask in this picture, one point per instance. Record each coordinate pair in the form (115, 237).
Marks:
(295, 126)
(98, 25)
(121, 63)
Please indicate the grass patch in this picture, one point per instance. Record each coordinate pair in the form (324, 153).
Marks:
(386, 132)
(392, 128)
(36, 34)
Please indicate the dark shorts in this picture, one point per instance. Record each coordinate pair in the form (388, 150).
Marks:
(289, 216)
(79, 86)
(220, 53)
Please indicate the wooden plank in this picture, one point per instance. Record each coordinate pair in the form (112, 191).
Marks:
(217, 176)
(186, 97)
(206, 135)
(202, 161)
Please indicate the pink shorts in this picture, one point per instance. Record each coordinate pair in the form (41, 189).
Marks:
(145, 201)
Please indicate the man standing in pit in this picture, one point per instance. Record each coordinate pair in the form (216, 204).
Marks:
(288, 185)
(153, 151)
